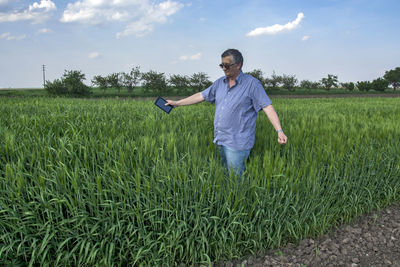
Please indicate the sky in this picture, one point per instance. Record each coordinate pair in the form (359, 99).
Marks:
(356, 40)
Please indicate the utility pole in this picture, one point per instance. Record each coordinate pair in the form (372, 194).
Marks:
(44, 75)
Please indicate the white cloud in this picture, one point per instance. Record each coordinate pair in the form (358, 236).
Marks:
(46, 5)
(192, 57)
(305, 38)
(94, 11)
(37, 12)
(94, 55)
(3, 2)
(7, 36)
(277, 28)
(154, 14)
(140, 15)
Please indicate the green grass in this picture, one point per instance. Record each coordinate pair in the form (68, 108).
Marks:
(26, 92)
(118, 182)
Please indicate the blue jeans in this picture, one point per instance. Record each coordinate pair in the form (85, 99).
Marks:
(233, 160)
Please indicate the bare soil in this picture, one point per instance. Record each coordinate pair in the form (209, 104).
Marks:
(372, 240)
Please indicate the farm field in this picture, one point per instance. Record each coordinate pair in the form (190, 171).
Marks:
(118, 182)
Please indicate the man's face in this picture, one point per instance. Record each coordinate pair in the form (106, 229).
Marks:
(230, 70)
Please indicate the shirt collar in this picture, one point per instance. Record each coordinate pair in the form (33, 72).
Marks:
(238, 78)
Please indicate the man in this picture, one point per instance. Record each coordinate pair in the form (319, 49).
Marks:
(238, 97)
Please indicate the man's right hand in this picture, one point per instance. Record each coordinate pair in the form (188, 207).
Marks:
(171, 103)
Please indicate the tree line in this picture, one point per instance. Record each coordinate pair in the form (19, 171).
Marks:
(153, 82)
(291, 83)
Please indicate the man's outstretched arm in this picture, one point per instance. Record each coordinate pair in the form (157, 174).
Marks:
(193, 99)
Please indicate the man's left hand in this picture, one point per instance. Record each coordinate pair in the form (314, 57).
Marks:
(282, 138)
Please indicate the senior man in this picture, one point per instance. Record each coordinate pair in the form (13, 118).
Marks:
(238, 98)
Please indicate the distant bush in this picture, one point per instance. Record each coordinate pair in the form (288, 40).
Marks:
(364, 85)
(56, 87)
(71, 83)
(306, 84)
(379, 84)
(349, 86)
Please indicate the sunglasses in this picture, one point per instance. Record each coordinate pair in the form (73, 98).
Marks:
(226, 66)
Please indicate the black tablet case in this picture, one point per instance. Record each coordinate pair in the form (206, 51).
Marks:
(160, 102)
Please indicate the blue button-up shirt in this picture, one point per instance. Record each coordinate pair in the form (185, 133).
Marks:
(236, 110)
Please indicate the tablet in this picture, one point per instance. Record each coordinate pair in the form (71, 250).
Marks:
(160, 102)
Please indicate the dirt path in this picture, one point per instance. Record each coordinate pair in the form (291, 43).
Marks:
(372, 240)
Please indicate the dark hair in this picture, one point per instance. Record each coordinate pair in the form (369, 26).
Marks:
(237, 56)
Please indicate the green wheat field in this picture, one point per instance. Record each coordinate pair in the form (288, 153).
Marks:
(118, 182)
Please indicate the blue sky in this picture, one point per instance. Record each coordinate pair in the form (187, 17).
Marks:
(354, 39)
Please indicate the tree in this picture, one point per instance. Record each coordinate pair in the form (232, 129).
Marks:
(258, 74)
(131, 80)
(180, 82)
(100, 82)
(309, 84)
(330, 81)
(71, 83)
(349, 86)
(380, 84)
(364, 85)
(114, 81)
(393, 76)
(289, 82)
(268, 85)
(199, 81)
(154, 81)
(306, 84)
(274, 81)
(315, 85)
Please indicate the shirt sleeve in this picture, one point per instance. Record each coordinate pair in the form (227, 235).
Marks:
(259, 97)
(209, 93)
